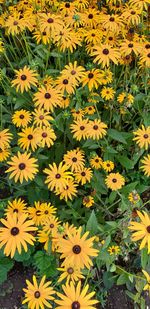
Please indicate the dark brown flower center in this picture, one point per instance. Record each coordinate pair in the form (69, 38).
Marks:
(15, 210)
(147, 46)
(70, 270)
(90, 75)
(75, 305)
(14, 231)
(148, 228)
(37, 294)
(127, 57)
(65, 81)
(57, 176)
(44, 134)
(73, 72)
(46, 212)
(41, 117)
(145, 136)
(96, 160)
(38, 212)
(148, 55)
(51, 225)
(133, 12)
(67, 5)
(44, 33)
(83, 174)
(30, 136)
(47, 95)
(23, 77)
(111, 19)
(90, 16)
(110, 38)
(93, 34)
(95, 127)
(105, 51)
(130, 45)
(22, 166)
(76, 249)
(82, 128)
(15, 23)
(74, 159)
(21, 116)
(114, 180)
(50, 20)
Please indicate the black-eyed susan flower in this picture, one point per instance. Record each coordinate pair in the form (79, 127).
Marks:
(142, 137)
(140, 4)
(77, 249)
(29, 138)
(93, 36)
(88, 201)
(96, 129)
(91, 18)
(57, 176)
(65, 85)
(38, 295)
(96, 162)
(50, 225)
(16, 234)
(112, 22)
(17, 206)
(35, 213)
(134, 197)
(73, 72)
(108, 165)
(141, 230)
(74, 159)
(41, 118)
(50, 22)
(47, 97)
(25, 78)
(107, 93)
(21, 118)
(90, 110)
(4, 154)
(146, 165)
(145, 60)
(69, 192)
(77, 114)
(83, 175)
(115, 181)
(114, 250)
(104, 54)
(47, 136)
(22, 167)
(75, 297)
(14, 24)
(127, 47)
(79, 128)
(92, 79)
(68, 38)
(5, 138)
(147, 286)
(70, 272)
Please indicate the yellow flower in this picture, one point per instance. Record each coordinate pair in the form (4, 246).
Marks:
(141, 230)
(4, 154)
(71, 272)
(146, 165)
(142, 137)
(16, 234)
(75, 297)
(107, 93)
(104, 54)
(77, 249)
(83, 175)
(114, 250)
(115, 181)
(96, 162)
(79, 129)
(57, 176)
(47, 97)
(22, 167)
(90, 110)
(73, 72)
(108, 166)
(96, 129)
(38, 295)
(68, 192)
(5, 138)
(25, 78)
(29, 138)
(74, 159)
(21, 118)
(50, 225)
(42, 118)
(88, 201)
(92, 78)
(147, 286)
(134, 197)
(47, 136)
(17, 206)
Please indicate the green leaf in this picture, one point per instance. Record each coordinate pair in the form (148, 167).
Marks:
(24, 256)
(45, 263)
(108, 280)
(5, 265)
(116, 135)
(144, 258)
(125, 162)
(89, 144)
(107, 242)
(92, 224)
(123, 278)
